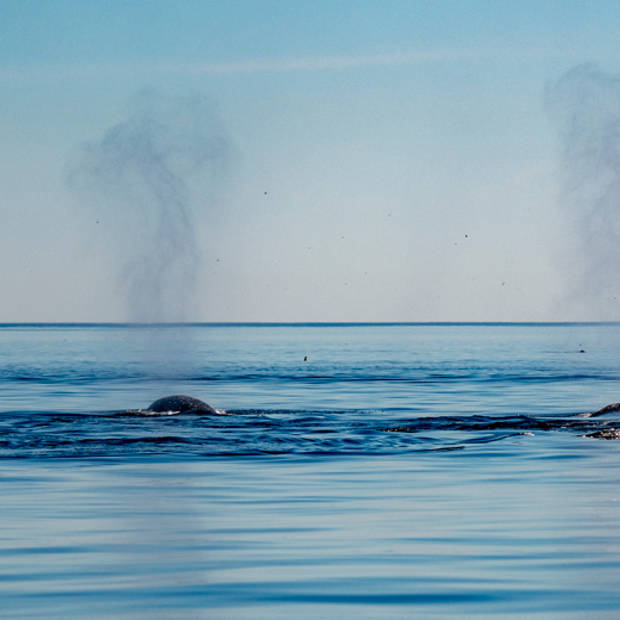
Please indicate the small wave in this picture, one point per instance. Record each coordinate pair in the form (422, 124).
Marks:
(474, 423)
(87, 373)
(251, 432)
(144, 413)
(128, 441)
(148, 413)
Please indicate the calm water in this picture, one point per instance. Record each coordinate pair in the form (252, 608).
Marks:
(427, 471)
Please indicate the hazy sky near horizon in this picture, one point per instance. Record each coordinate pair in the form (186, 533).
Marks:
(339, 161)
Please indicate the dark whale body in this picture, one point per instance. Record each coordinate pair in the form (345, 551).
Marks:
(181, 404)
(609, 432)
(607, 409)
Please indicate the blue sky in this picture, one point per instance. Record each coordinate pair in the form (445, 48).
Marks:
(385, 160)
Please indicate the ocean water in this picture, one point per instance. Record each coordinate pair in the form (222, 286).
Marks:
(355, 471)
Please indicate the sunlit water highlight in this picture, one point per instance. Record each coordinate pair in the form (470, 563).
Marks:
(401, 471)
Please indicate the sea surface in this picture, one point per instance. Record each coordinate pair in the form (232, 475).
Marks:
(353, 471)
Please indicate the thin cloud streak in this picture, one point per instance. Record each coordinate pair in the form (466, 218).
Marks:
(270, 65)
(322, 63)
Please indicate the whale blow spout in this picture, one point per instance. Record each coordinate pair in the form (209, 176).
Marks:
(180, 404)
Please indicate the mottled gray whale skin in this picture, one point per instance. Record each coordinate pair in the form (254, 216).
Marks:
(607, 409)
(181, 404)
(609, 432)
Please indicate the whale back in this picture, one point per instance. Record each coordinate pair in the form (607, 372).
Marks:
(607, 409)
(181, 404)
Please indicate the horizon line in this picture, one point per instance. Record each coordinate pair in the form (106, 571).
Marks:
(292, 323)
